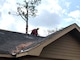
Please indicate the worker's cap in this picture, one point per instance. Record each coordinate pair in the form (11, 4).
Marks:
(37, 28)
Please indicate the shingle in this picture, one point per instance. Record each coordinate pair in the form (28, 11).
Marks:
(10, 40)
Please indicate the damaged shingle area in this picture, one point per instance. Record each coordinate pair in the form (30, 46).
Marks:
(14, 42)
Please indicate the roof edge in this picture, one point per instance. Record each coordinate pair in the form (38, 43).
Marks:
(6, 55)
(61, 33)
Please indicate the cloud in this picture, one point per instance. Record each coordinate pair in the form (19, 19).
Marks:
(6, 20)
(2, 2)
(47, 19)
(0, 14)
(68, 19)
(51, 14)
(78, 6)
(51, 6)
(74, 14)
(20, 26)
(67, 4)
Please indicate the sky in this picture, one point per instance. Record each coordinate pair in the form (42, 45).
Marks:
(51, 15)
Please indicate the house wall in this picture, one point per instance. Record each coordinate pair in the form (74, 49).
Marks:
(36, 58)
(29, 58)
(65, 47)
(2, 58)
(33, 58)
(25, 58)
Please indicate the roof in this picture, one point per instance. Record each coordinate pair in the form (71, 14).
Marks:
(18, 44)
(13, 42)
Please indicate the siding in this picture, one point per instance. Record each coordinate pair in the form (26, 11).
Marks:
(33, 59)
(36, 58)
(65, 47)
(3, 58)
(28, 58)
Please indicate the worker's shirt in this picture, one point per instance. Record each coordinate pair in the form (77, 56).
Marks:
(34, 32)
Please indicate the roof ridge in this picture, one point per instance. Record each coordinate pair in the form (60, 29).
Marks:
(11, 31)
(74, 24)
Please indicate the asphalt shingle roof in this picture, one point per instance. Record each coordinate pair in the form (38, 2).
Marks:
(10, 40)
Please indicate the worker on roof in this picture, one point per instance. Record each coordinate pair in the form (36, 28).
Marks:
(35, 32)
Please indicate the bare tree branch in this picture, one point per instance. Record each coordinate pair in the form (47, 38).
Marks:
(28, 9)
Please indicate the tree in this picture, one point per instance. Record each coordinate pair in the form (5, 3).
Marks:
(52, 31)
(27, 9)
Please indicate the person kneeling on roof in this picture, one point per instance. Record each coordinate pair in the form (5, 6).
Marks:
(35, 32)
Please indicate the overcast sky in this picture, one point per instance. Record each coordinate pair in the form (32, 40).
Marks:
(52, 14)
